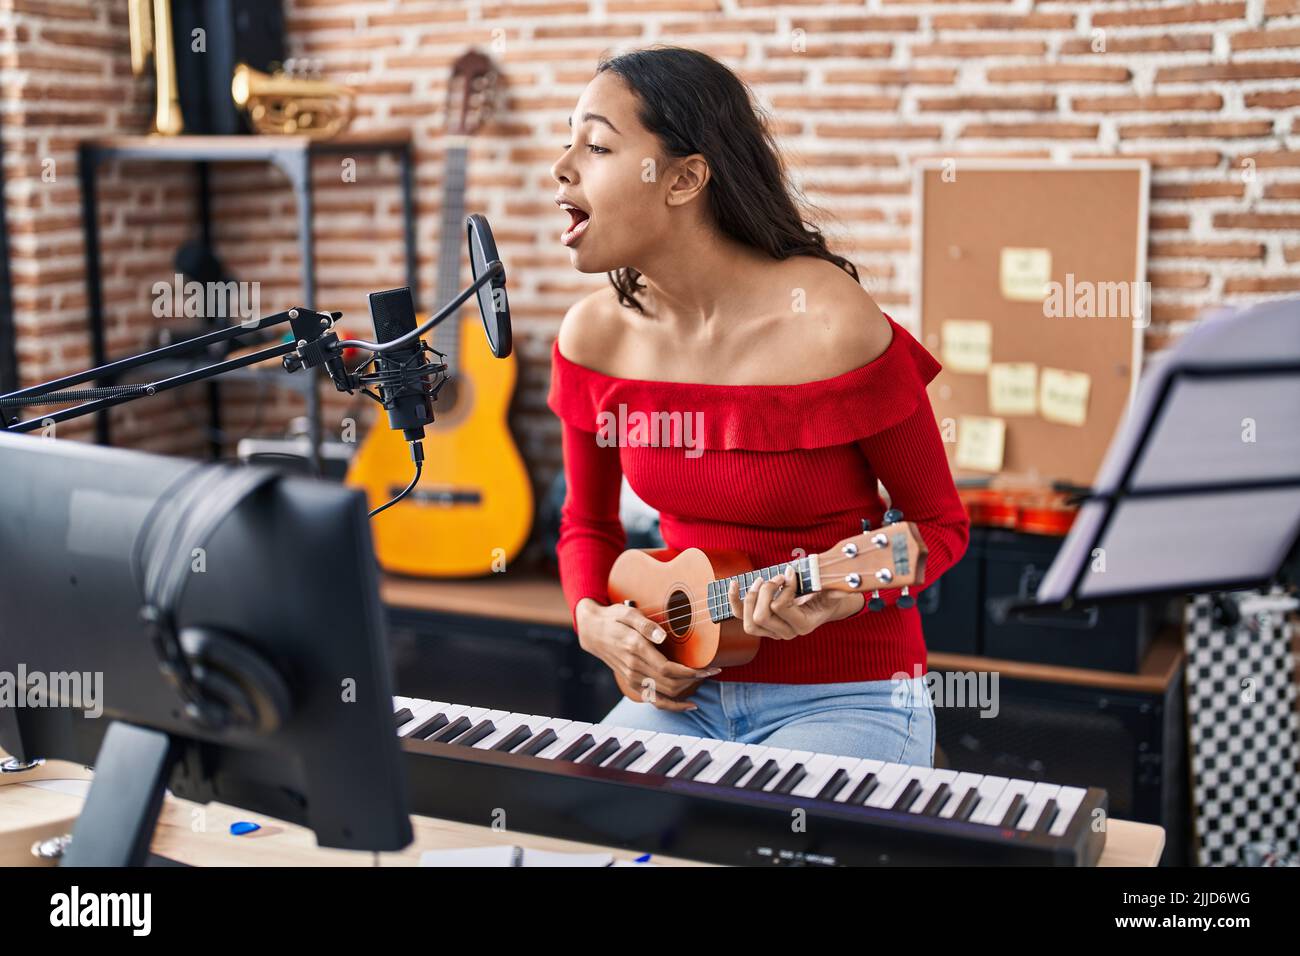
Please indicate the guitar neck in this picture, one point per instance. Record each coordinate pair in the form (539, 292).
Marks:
(720, 606)
(446, 336)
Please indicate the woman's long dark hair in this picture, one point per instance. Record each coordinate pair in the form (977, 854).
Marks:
(694, 104)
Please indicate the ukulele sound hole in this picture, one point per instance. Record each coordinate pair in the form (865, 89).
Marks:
(679, 615)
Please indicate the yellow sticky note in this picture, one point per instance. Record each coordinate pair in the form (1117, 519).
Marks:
(980, 442)
(1013, 388)
(1063, 396)
(967, 345)
(1024, 274)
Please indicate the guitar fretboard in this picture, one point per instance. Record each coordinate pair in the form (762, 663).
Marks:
(451, 243)
(720, 606)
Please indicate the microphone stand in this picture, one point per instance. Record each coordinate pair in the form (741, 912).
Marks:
(315, 344)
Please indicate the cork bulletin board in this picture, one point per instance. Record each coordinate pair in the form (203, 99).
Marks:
(1031, 282)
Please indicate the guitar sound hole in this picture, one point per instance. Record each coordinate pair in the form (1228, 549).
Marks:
(679, 615)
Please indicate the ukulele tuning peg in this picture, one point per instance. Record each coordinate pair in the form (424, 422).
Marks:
(905, 599)
(893, 516)
(866, 525)
(876, 603)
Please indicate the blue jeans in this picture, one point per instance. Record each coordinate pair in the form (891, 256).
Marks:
(882, 719)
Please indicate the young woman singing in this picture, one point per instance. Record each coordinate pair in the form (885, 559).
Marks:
(726, 306)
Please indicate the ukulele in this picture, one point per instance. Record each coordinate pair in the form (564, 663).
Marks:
(685, 592)
(473, 507)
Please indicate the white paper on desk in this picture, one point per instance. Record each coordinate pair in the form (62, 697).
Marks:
(470, 856)
(555, 858)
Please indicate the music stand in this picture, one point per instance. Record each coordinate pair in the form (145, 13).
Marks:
(1200, 487)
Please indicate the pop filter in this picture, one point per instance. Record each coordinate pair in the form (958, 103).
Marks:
(492, 304)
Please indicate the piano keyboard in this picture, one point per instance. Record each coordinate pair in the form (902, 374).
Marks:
(597, 782)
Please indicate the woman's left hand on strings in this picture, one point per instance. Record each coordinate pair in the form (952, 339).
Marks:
(771, 609)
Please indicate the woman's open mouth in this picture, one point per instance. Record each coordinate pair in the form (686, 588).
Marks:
(578, 219)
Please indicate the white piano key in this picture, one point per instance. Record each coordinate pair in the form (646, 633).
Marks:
(566, 736)
(1068, 799)
(812, 786)
(989, 790)
(758, 755)
(724, 755)
(786, 763)
(543, 724)
(628, 739)
(960, 787)
(656, 745)
(505, 726)
(889, 784)
(857, 774)
(1038, 796)
(930, 784)
(816, 777)
(419, 712)
(1013, 789)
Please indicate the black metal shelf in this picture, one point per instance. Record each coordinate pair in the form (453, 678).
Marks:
(290, 154)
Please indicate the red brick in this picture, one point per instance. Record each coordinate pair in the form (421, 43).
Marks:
(1273, 99)
(1240, 70)
(1287, 283)
(1144, 104)
(1146, 43)
(1058, 73)
(1265, 39)
(1257, 220)
(1212, 130)
(1009, 101)
(1182, 249)
(1198, 190)
(1030, 131)
(1152, 16)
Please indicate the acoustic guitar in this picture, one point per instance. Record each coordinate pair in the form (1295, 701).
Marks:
(473, 508)
(685, 592)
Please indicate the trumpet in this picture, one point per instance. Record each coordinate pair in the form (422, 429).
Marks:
(283, 104)
(150, 24)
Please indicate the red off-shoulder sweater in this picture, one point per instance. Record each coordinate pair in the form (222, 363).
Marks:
(775, 471)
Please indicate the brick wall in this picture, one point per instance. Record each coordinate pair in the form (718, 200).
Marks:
(1209, 92)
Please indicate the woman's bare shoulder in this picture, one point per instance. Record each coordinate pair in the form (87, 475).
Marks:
(591, 329)
(842, 328)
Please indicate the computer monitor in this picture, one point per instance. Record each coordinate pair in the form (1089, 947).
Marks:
(265, 684)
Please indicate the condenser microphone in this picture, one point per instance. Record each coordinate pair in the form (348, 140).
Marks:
(403, 387)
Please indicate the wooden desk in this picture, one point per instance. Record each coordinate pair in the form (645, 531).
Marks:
(200, 835)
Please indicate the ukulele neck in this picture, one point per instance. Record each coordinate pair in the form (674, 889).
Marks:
(720, 606)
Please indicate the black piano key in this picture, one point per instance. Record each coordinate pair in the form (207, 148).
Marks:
(937, 801)
(696, 765)
(834, 785)
(577, 748)
(608, 747)
(762, 775)
(513, 739)
(476, 733)
(793, 777)
(1014, 811)
(742, 766)
(428, 727)
(967, 805)
(402, 716)
(451, 731)
(908, 796)
(542, 740)
(631, 752)
(1047, 816)
(863, 790)
(669, 760)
